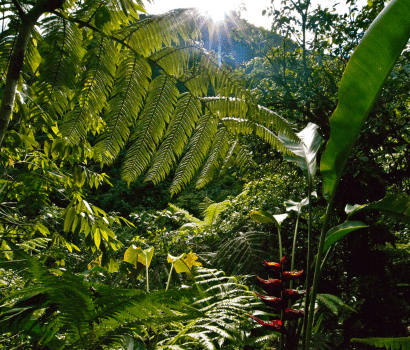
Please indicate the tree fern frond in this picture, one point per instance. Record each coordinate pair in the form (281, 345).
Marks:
(95, 84)
(176, 137)
(226, 107)
(197, 150)
(8, 39)
(151, 125)
(131, 84)
(212, 212)
(153, 33)
(388, 343)
(173, 60)
(333, 303)
(216, 155)
(186, 214)
(62, 52)
(241, 253)
(270, 119)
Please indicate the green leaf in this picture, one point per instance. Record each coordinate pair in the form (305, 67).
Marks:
(305, 151)
(361, 83)
(388, 343)
(136, 254)
(337, 232)
(264, 217)
(395, 205)
(184, 262)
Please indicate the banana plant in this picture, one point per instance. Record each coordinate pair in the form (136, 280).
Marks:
(365, 74)
(134, 255)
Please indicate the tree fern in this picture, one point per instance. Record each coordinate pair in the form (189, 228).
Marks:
(388, 343)
(157, 111)
(176, 137)
(131, 84)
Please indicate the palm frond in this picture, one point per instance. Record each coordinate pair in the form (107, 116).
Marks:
(151, 125)
(176, 137)
(130, 87)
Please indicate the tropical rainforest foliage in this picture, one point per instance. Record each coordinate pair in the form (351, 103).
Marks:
(143, 185)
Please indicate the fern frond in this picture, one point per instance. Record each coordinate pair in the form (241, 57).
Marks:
(173, 60)
(153, 33)
(8, 39)
(333, 303)
(151, 125)
(96, 82)
(186, 214)
(130, 87)
(176, 137)
(197, 150)
(226, 107)
(212, 212)
(217, 153)
(62, 51)
(270, 119)
(388, 343)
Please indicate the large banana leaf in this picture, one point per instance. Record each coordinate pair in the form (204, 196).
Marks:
(337, 232)
(395, 205)
(305, 151)
(362, 80)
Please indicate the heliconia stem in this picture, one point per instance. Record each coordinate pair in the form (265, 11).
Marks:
(146, 269)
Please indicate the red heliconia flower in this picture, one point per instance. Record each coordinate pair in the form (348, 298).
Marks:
(274, 302)
(293, 294)
(292, 314)
(271, 285)
(291, 275)
(275, 266)
(275, 325)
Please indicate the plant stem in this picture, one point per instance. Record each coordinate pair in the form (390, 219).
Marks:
(146, 269)
(280, 245)
(169, 277)
(305, 317)
(292, 263)
(316, 277)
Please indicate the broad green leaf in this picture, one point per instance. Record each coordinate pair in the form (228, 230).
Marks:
(305, 151)
(261, 216)
(395, 205)
(136, 254)
(184, 262)
(388, 343)
(361, 83)
(337, 232)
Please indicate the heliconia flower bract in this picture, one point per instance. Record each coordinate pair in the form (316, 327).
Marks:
(292, 314)
(291, 275)
(274, 265)
(293, 294)
(271, 285)
(275, 325)
(271, 301)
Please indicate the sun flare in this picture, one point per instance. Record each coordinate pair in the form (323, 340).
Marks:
(218, 10)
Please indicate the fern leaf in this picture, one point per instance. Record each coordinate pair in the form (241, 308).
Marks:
(186, 214)
(214, 210)
(333, 303)
(131, 84)
(270, 119)
(8, 39)
(218, 151)
(388, 343)
(180, 128)
(95, 84)
(173, 60)
(197, 150)
(157, 110)
(226, 107)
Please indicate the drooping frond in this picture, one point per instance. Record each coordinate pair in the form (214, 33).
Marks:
(388, 343)
(153, 33)
(242, 252)
(176, 137)
(197, 151)
(61, 50)
(8, 39)
(186, 214)
(246, 127)
(151, 125)
(333, 303)
(270, 119)
(214, 210)
(173, 60)
(227, 107)
(100, 62)
(218, 151)
(130, 86)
